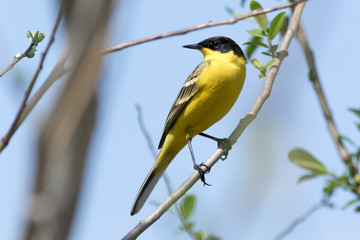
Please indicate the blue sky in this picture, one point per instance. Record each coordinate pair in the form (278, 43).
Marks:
(254, 193)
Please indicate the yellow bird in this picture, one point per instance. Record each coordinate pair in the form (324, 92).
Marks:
(207, 95)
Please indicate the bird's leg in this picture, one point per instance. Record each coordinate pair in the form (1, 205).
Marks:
(196, 166)
(223, 143)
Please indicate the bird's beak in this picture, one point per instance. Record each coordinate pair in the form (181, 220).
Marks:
(193, 46)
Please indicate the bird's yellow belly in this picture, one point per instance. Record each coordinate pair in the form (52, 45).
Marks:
(212, 102)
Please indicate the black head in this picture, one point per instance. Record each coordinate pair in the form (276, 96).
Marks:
(221, 44)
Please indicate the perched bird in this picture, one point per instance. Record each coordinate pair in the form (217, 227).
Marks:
(207, 95)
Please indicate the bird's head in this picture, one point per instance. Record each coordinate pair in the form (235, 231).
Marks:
(216, 46)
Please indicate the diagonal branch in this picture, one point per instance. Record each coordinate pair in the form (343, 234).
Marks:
(301, 37)
(260, 100)
(198, 27)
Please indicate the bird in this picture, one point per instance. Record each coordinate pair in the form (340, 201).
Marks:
(206, 96)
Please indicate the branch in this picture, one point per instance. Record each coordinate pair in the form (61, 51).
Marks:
(17, 58)
(301, 219)
(198, 27)
(315, 79)
(260, 100)
(5, 140)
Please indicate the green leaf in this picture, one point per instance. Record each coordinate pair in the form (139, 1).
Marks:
(198, 236)
(259, 44)
(31, 53)
(305, 160)
(276, 25)
(187, 205)
(256, 63)
(273, 48)
(251, 48)
(270, 63)
(357, 209)
(212, 237)
(29, 36)
(355, 111)
(345, 138)
(261, 75)
(267, 54)
(348, 204)
(312, 76)
(307, 177)
(284, 26)
(263, 70)
(261, 20)
(257, 33)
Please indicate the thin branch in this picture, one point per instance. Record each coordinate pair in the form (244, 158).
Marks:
(17, 59)
(260, 100)
(151, 146)
(5, 140)
(345, 156)
(300, 220)
(198, 27)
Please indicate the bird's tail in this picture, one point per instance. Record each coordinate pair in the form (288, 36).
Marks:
(161, 163)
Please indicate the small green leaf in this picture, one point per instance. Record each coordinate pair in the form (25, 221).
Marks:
(273, 48)
(261, 75)
(251, 48)
(307, 177)
(29, 36)
(257, 33)
(357, 209)
(187, 205)
(312, 76)
(267, 54)
(261, 20)
(212, 237)
(263, 70)
(276, 25)
(198, 236)
(284, 26)
(358, 126)
(345, 138)
(31, 53)
(355, 111)
(270, 63)
(348, 204)
(256, 63)
(259, 44)
(305, 160)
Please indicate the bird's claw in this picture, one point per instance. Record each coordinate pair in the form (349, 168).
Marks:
(202, 172)
(226, 146)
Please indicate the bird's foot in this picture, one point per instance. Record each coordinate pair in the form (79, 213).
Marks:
(202, 172)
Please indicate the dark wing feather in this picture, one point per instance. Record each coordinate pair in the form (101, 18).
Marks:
(188, 90)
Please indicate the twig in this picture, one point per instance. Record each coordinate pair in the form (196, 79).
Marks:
(147, 136)
(198, 27)
(17, 59)
(5, 140)
(270, 77)
(301, 37)
(300, 219)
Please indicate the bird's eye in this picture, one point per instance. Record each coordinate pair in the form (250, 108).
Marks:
(216, 44)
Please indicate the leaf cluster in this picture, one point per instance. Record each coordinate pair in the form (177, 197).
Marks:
(349, 180)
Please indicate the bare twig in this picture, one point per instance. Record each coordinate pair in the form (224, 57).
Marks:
(301, 219)
(5, 140)
(17, 59)
(345, 156)
(260, 100)
(151, 146)
(198, 27)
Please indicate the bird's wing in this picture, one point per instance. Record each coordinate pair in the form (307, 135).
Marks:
(188, 90)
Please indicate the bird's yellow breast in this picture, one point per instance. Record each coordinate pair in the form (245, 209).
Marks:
(220, 84)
